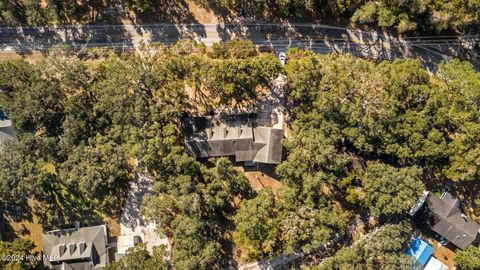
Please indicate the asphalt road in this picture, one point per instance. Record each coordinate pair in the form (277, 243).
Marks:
(319, 38)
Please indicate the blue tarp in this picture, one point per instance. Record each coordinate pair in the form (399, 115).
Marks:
(420, 250)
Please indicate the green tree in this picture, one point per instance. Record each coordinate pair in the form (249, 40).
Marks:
(468, 259)
(21, 248)
(98, 169)
(138, 5)
(35, 105)
(235, 81)
(307, 228)
(194, 245)
(255, 225)
(390, 190)
(192, 205)
(235, 49)
(20, 174)
(382, 249)
(138, 258)
(418, 15)
(463, 102)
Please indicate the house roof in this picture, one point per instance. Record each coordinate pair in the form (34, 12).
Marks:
(233, 135)
(76, 248)
(6, 130)
(420, 250)
(434, 264)
(448, 221)
(268, 142)
(72, 266)
(6, 133)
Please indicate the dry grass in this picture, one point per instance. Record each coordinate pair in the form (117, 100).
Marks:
(442, 253)
(113, 226)
(11, 55)
(259, 180)
(202, 15)
(28, 229)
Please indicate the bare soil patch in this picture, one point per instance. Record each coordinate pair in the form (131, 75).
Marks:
(263, 177)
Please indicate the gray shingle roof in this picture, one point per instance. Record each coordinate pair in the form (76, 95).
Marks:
(6, 130)
(6, 133)
(233, 135)
(76, 248)
(448, 221)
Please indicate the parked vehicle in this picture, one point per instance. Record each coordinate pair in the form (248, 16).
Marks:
(283, 57)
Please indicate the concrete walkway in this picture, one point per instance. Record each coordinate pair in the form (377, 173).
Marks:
(132, 222)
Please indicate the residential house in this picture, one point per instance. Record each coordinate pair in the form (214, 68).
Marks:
(444, 216)
(76, 248)
(233, 135)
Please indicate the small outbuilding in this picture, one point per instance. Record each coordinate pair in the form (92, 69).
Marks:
(420, 250)
(434, 264)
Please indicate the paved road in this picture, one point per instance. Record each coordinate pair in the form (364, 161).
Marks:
(319, 38)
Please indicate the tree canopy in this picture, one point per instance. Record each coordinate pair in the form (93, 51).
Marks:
(85, 127)
(14, 255)
(382, 249)
(393, 126)
(468, 259)
(138, 258)
(365, 139)
(402, 16)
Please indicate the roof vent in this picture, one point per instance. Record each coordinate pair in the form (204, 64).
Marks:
(61, 249)
(82, 246)
(464, 217)
(71, 248)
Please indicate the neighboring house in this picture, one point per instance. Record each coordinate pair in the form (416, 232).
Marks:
(233, 135)
(444, 216)
(76, 249)
(6, 130)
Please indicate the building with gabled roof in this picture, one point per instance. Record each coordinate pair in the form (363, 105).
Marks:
(233, 135)
(76, 248)
(444, 216)
(447, 219)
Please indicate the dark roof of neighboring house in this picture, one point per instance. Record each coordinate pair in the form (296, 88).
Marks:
(6, 130)
(76, 248)
(233, 135)
(448, 221)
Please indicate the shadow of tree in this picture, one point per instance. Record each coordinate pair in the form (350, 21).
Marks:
(15, 212)
(178, 22)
